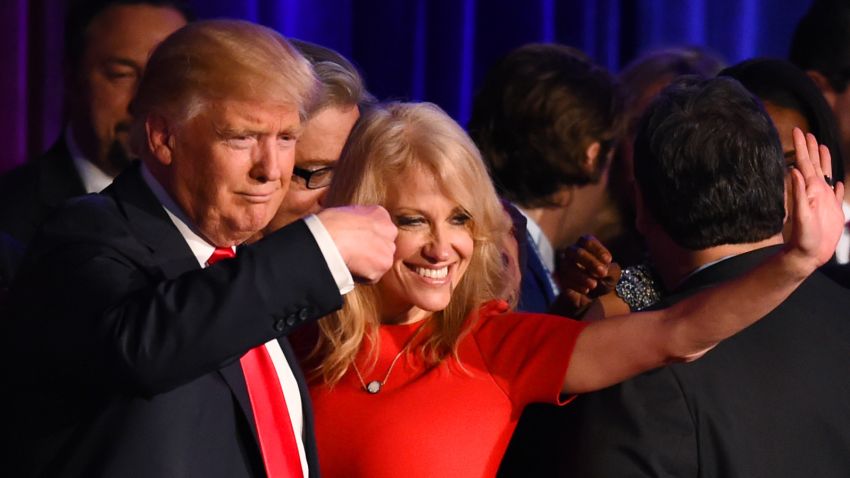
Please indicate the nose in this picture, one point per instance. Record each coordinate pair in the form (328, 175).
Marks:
(438, 249)
(267, 161)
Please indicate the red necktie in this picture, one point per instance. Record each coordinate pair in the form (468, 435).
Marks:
(274, 427)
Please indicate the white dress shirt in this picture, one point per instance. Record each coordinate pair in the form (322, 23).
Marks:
(842, 250)
(94, 180)
(203, 250)
(543, 247)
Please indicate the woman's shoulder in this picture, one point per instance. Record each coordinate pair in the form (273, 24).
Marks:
(497, 315)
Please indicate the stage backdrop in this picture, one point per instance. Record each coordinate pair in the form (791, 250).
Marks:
(432, 50)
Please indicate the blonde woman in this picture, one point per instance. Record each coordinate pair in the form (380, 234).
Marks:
(426, 372)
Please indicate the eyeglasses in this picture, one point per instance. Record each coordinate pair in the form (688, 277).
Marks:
(315, 179)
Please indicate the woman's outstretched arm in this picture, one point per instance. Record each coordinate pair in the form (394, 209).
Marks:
(614, 349)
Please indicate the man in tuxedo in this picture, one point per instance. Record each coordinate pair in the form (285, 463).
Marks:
(137, 345)
(771, 401)
(107, 44)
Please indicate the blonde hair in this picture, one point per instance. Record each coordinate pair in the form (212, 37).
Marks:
(389, 140)
(216, 60)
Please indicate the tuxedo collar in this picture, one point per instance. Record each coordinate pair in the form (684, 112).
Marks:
(724, 270)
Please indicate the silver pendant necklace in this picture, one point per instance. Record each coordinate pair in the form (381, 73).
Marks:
(375, 386)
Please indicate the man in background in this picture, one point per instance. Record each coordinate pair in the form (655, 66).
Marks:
(341, 99)
(546, 119)
(771, 401)
(107, 44)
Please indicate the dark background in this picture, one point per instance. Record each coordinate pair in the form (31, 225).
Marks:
(433, 50)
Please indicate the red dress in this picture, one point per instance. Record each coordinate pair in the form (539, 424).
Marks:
(442, 421)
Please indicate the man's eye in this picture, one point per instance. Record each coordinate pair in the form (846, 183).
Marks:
(240, 142)
(120, 74)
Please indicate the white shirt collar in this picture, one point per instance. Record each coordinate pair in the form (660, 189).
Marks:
(544, 247)
(200, 247)
(94, 179)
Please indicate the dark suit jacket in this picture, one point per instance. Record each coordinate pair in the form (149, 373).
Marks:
(772, 401)
(29, 193)
(536, 293)
(121, 353)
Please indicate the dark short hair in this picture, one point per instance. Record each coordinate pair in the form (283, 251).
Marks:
(81, 13)
(821, 42)
(709, 164)
(537, 112)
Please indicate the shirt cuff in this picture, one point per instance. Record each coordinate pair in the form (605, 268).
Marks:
(336, 264)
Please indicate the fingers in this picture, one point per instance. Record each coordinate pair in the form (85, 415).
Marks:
(814, 153)
(365, 238)
(589, 255)
(839, 191)
(595, 247)
(825, 161)
(803, 163)
(801, 202)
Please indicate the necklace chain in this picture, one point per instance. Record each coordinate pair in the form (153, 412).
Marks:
(375, 386)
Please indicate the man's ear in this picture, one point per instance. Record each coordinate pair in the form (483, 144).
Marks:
(824, 86)
(159, 137)
(591, 157)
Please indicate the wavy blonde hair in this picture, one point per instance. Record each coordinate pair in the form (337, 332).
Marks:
(388, 141)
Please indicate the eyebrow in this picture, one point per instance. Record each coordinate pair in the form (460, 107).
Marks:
(316, 163)
(123, 62)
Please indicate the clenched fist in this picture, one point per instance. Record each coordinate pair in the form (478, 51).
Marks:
(365, 237)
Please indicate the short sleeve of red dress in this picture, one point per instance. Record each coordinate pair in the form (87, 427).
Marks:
(526, 354)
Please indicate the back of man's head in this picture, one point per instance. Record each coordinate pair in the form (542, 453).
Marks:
(821, 42)
(216, 60)
(539, 110)
(709, 164)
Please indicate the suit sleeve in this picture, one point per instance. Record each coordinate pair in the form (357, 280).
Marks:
(639, 428)
(98, 314)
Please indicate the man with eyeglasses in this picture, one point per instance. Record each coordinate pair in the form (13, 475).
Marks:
(324, 135)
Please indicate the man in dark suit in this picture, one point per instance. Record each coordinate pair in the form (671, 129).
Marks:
(124, 355)
(107, 44)
(771, 401)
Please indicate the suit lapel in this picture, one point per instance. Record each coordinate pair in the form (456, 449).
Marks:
(59, 178)
(171, 255)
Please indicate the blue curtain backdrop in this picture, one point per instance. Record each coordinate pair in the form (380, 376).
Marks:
(433, 50)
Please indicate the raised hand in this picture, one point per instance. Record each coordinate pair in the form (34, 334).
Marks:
(365, 237)
(817, 220)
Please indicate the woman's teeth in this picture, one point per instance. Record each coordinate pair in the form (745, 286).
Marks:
(433, 273)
